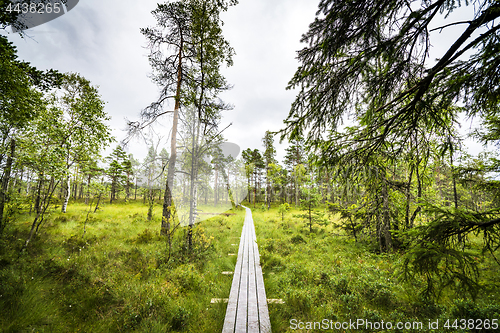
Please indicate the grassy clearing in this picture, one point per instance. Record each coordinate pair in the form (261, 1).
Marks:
(325, 275)
(114, 278)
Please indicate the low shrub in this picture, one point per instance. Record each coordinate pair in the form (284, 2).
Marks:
(180, 318)
(297, 239)
(145, 237)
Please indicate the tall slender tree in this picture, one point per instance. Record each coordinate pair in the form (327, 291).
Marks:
(21, 102)
(269, 158)
(185, 47)
(84, 120)
(116, 171)
(294, 161)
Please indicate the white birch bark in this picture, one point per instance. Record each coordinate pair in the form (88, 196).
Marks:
(66, 199)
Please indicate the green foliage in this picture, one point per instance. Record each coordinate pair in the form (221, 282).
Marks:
(145, 237)
(311, 201)
(350, 217)
(463, 308)
(370, 72)
(180, 318)
(401, 151)
(326, 276)
(299, 300)
(118, 164)
(283, 209)
(254, 164)
(202, 245)
(297, 239)
(436, 252)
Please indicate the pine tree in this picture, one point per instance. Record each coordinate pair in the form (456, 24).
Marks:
(116, 171)
(269, 159)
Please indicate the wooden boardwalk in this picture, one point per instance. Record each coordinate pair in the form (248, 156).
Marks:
(247, 306)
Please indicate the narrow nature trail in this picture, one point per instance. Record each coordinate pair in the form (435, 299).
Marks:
(247, 310)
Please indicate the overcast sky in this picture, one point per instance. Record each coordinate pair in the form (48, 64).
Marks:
(101, 41)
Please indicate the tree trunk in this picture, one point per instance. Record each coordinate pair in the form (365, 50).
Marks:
(419, 195)
(151, 200)
(75, 186)
(193, 190)
(66, 199)
(408, 198)
(192, 216)
(254, 188)
(41, 211)
(5, 182)
(167, 199)
(249, 188)
(268, 189)
(328, 188)
(455, 196)
(46, 201)
(19, 182)
(228, 188)
(28, 182)
(310, 219)
(61, 192)
(386, 220)
(454, 180)
(135, 190)
(296, 190)
(111, 192)
(88, 190)
(98, 201)
(80, 193)
(215, 186)
(38, 194)
(127, 188)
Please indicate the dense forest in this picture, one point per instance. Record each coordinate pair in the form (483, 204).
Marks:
(375, 166)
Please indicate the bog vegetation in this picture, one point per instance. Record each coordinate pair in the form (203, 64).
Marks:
(388, 218)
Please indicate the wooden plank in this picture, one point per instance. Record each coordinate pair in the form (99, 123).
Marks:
(253, 310)
(232, 304)
(275, 301)
(264, 321)
(247, 310)
(219, 300)
(241, 312)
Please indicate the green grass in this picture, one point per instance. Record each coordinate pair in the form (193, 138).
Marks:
(326, 275)
(115, 278)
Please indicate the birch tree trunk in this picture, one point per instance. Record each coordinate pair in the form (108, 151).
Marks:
(193, 193)
(68, 193)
